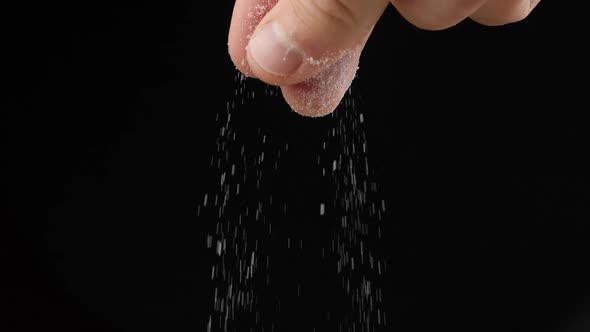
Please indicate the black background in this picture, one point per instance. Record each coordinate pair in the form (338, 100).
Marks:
(108, 126)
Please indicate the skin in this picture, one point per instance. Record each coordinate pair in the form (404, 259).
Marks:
(326, 38)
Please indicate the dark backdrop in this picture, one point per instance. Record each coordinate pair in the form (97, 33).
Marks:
(108, 126)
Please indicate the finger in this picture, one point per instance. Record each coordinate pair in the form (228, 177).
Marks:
(500, 12)
(246, 16)
(321, 94)
(436, 14)
(298, 39)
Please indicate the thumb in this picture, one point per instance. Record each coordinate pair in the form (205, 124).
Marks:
(298, 39)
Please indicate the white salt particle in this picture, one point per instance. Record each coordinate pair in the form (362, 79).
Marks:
(218, 248)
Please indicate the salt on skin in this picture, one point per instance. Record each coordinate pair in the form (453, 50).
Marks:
(245, 22)
(320, 95)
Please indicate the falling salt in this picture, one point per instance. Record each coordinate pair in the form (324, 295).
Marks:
(218, 250)
(238, 274)
(235, 246)
(359, 223)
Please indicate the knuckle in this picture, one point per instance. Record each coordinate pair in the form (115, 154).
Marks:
(433, 24)
(516, 12)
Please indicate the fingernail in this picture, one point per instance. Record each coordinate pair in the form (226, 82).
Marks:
(273, 50)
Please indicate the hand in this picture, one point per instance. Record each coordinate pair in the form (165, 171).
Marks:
(311, 48)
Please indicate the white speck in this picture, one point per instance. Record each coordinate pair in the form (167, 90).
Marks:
(218, 250)
(322, 209)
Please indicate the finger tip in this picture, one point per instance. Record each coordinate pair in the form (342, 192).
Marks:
(321, 95)
(260, 73)
(306, 101)
(239, 59)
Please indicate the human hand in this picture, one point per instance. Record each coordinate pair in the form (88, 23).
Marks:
(311, 48)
